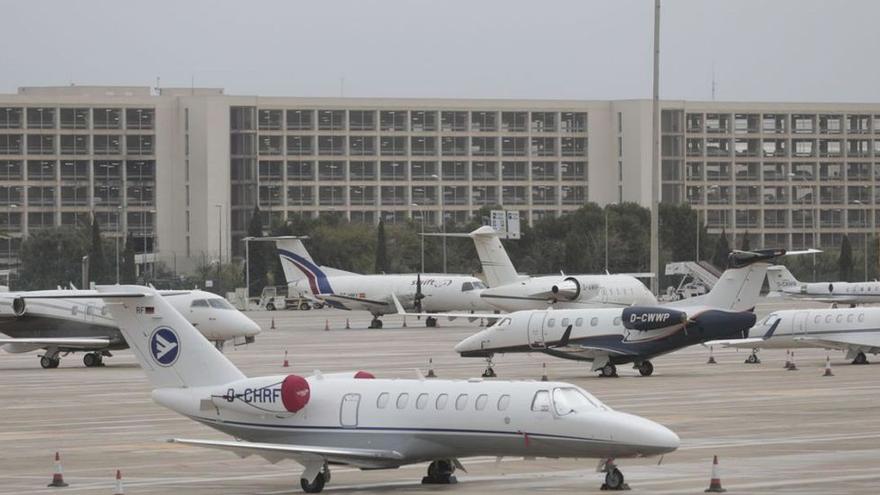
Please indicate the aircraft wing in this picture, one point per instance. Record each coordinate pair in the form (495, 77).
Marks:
(845, 342)
(470, 316)
(352, 302)
(67, 343)
(304, 454)
(736, 343)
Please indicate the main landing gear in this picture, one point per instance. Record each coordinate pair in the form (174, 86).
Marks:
(645, 368)
(316, 485)
(860, 358)
(430, 322)
(608, 371)
(440, 473)
(93, 360)
(49, 361)
(614, 479)
(376, 322)
(753, 358)
(489, 372)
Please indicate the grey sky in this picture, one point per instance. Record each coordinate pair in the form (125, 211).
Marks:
(813, 50)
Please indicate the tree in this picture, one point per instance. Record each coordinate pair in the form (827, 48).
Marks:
(258, 255)
(745, 245)
(845, 261)
(52, 257)
(722, 249)
(127, 269)
(381, 249)
(97, 262)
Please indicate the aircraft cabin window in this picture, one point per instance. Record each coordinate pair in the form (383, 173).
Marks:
(220, 303)
(594, 321)
(551, 322)
(467, 286)
(441, 401)
(503, 402)
(564, 322)
(402, 399)
(571, 400)
(199, 303)
(579, 322)
(541, 401)
(616, 321)
(461, 402)
(481, 401)
(861, 317)
(382, 400)
(421, 401)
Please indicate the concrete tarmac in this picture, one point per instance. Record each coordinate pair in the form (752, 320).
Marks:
(775, 431)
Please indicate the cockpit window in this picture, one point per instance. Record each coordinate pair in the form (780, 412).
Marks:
(570, 400)
(503, 324)
(220, 303)
(467, 286)
(769, 320)
(479, 285)
(199, 303)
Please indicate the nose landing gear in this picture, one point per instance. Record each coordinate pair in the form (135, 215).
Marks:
(614, 479)
(440, 473)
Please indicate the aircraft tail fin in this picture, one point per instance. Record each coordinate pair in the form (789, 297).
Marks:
(299, 265)
(779, 277)
(497, 267)
(739, 286)
(169, 349)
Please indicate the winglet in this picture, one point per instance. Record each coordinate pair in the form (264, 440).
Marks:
(566, 336)
(400, 309)
(772, 329)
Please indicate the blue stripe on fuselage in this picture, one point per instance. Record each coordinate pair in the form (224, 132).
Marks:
(320, 276)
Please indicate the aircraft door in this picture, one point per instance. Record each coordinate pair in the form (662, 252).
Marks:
(348, 410)
(799, 324)
(536, 329)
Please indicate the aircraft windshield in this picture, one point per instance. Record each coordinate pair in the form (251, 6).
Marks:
(479, 285)
(570, 400)
(771, 319)
(199, 303)
(504, 323)
(220, 303)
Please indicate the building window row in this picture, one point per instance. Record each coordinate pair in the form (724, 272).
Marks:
(769, 123)
(77, 118)
(75, 144)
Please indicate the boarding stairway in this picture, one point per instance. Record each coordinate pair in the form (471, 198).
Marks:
(697, 279)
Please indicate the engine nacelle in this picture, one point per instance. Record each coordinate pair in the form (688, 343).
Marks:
(16, 307)
(646, 318)
(265, 395)
(569, 289)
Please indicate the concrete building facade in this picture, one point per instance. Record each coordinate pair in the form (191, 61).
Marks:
(182, 169)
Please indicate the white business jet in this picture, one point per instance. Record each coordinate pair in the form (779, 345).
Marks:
(510, 291)
(855, 331)
(355, 420)
(64, 326)
(783, 284)
(428, 293)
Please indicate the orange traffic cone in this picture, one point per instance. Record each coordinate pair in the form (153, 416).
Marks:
(286, 364)
(326, 325)
(544, 372)
(715, 482)
(711, 357)
(791, 365)
(828, 366)
(404, 322)
(58, 477)
(431, 368)
(120, 490)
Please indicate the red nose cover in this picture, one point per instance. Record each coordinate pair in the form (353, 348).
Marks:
(364, 374)
(295, 393)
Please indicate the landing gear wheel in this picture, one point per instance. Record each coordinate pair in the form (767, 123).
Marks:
(376, 323)
(440, 473)
(270, 307)
(753, 359)
(304, 306)
(319, 306)
(646, 368)
(48, 363)
(861, 358)
(489, 373)
(614, 480)
(315, 486)
(609, 370)
(92, 360)
(430, 322)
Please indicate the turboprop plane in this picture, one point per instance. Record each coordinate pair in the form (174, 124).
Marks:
(64, 326)
(611, 336)
(855, 331)
(510, 291)
(357, 420)
(425, 293)
(783, 284)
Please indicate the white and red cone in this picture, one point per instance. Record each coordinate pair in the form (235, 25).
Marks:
(58, 476)
(787, 359)
(715, 482)
(120, 490)
(828, 366)
(791, 365)
(285, 364)
(431, 373)
(711, 357)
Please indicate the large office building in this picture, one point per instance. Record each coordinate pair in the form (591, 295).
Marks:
(181, 169)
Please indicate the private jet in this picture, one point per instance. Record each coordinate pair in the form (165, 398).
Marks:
(65, 326)
(357, 420)
(783, 284)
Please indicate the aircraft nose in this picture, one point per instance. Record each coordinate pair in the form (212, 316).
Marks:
(249, 326)
(473, 345)
(648, 437)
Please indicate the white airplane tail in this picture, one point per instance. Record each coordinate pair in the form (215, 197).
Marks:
(299, 265)
(171, 351)
(739, 286)
(778, 278)
(497, 267)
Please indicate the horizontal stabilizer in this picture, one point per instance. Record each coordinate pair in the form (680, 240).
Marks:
(67, 343)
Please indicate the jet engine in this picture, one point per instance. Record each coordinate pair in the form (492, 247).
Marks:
(266, 395)
(646, 318)
(569, 289)
(18, 306)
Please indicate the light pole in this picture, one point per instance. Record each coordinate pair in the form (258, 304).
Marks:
(118, 218)
(9, 237)
(247, 270)
(421, 237)
(219, 207)
(864, 236)
(607, 207)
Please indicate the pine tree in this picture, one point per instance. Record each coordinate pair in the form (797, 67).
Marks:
(381, 249)
(258, 254)
(745, 245)
(127, 269)
(722, 249)
(845, 262)
(97, 263)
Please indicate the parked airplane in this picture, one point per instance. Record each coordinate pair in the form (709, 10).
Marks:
(853, 330)
(84, 325)
(354, 419)
(613, 336)
(510, 291)
(427, 293)
(783, 284)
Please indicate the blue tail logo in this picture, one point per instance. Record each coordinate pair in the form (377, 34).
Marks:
(164, 346)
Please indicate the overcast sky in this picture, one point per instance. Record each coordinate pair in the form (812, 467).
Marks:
(811, 50)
